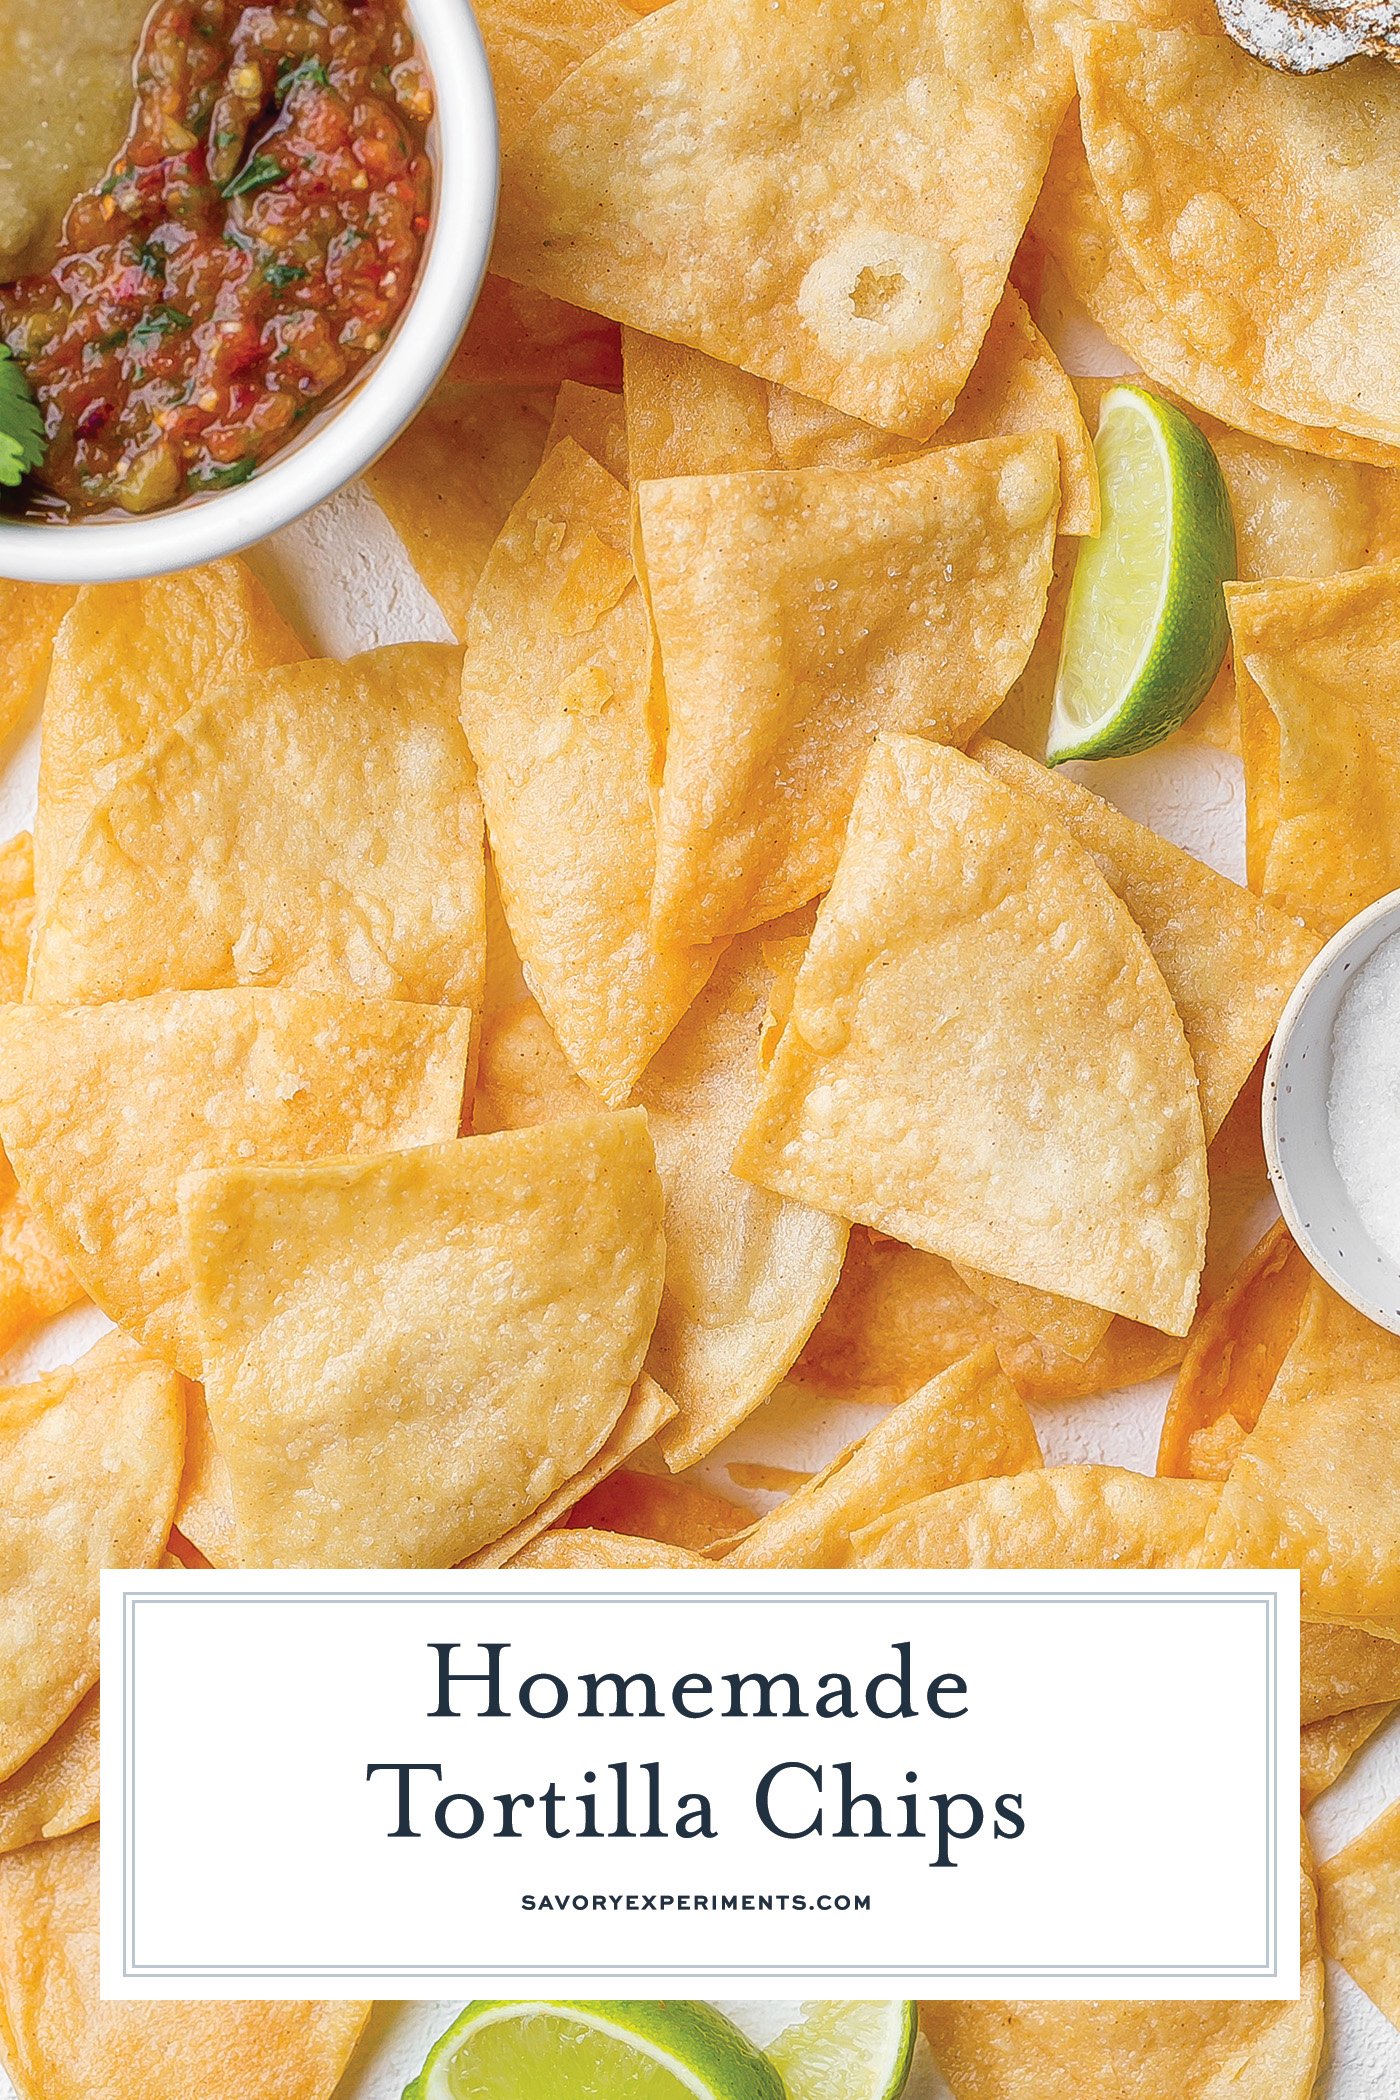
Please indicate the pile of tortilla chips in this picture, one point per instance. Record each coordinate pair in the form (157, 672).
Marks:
(474, 1079)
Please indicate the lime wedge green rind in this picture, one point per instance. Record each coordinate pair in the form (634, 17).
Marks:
(848, 2049)
(594, 2049)
(1145, 629)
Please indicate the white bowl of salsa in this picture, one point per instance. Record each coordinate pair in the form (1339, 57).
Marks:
(223, 495)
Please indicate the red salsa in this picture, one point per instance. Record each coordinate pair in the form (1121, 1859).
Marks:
(249, 251)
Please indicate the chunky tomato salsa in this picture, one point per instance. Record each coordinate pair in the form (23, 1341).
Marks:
(248, 252)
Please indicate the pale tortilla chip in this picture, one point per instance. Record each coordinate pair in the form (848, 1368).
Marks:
(16, 913)
(602, 1549)
(56, 1791)
(407, 1355)
(666, 1507)
(315, 827)
(965, 1425)
(520, 338)
(1344, 1668)
(448, 484)
(594, 419)
(204, 1512)
(104, 1108)
(556, 699)
(1316, 1484)
(89, 1471)
(1166, 2050)
(944, 1075)
(29, 617)
(62, 2041)
(1064, 1517)
(1360, 1889)
(1327, 1747)
(1232, 1359)
(800, 614)
(1316, 667)
(1216, 174)
(689, 414)
(128, 660)
(899, 156)
(534, 45)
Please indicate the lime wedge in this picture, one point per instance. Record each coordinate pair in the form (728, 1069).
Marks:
(1145, 631)
(848, 2049)
(616, 2049)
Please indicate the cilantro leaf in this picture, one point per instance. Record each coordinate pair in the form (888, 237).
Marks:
(260, 174)
(161, 320)
(228, 477)
(23, 440)
(309, 73)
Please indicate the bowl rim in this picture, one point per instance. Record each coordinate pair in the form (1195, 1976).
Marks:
(373, 412)
(1386, 908)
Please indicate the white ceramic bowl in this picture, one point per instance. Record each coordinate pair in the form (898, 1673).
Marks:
(1297, 1140)
(369, 415)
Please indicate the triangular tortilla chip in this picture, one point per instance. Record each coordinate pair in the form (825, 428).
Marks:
(556, 698)
(56, 1790)
(1064, 1517)
(29, 617)
(1316, 1484)
(673, 1509)
(62, 2041)
(406, 1355)
(1360, 1906)
(604, 1549)
(899, 156)
(1344, 1668)
(1327, 1747)
(1234, 1355)
(533, 45)
(129, 660)
(595, 419)
(89, 1471)
(16, 913)
(965, 1425)
(316, 826)
(1317, 665)
(520, 338)
(204, 1512)
(800, 614)
(982, 1058)
(104, 1108)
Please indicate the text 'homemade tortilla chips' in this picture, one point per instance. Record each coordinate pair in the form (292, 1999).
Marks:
(103, 1109)
(406, 1355)
(982, 1058)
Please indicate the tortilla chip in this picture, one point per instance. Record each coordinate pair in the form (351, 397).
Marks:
(29, 617)
(1344, 1668)
(1316, 664)
(1316, 1484)
(1326, 1748)
(647, 1409)
(315, 827)
(407, 1355)
(56, 1791)
(89, 1470)
(594, 419)
(1215, 174)
(61, 2041)
(966, 1425)
(128, 661)
(204, 1512)
(800, 614)
(602, 1549)
(104, 1108)
(1232, 1359)
(689, 414)
(556, 702)
(1165, 2050)
(448, 484)
(674, 1511)
(1360, 1889)
(520, 338)
(534, 45)
(1064, 1517)
(942, 1076)
(900, 158)
(16, 913)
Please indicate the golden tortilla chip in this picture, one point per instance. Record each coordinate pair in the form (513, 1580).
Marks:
(315, 827)
(800, 614)
(104, 1108)
(520, 338)
(1327, 1747)
(556, 700)
(1165, 2050)
(1215, 174)
(16, 913)
(61, 2041)
(128, 661)
(671, 1509)
(1360, 1889)
(594, 419)
(448, 484)
(29, 617)
(965, 1425)
(204, 1512)
(900, 158)
(1344, 1668)
(689, 414)
(56, 1791)
(407, 1355)
(89, 1471)
(1316, 1484)
(944, 1073)
(602, 1549)
(1316, 664)
(1064, 1517)
(1232, 1359)
(534, 45)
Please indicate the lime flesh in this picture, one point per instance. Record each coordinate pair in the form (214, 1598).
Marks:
(1145, 630)
(670, 2049)
(848, 2049)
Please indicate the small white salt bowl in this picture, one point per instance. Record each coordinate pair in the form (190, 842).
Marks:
(1298, 1143)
